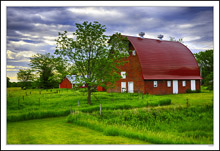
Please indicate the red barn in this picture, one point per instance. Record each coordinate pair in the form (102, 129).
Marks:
(69, 82)
(158, 67)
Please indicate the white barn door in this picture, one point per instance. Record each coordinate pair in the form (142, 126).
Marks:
(193, 84)
(175, 86)
(130, 87)
(123, 86)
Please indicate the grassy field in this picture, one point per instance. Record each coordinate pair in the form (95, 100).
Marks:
(34, 104)
(158, 119)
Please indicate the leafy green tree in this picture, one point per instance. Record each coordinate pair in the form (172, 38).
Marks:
(44, 65)
(8, 82)
(51, 70)
(25, 76)
(95, 55)
(205, 62)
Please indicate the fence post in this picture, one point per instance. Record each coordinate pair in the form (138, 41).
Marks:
(71, 110)
(100, 109)
(142, 96)
(23, 98)
(187, 102)
(26, 93)
(30, 92)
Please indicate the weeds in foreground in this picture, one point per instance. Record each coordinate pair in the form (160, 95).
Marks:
(179, 126)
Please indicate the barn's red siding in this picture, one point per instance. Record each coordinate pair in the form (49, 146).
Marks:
(134, 74)
(163, 89)
(66, 84)
(160, 89)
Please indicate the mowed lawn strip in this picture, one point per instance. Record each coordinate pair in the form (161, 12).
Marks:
(58, 131)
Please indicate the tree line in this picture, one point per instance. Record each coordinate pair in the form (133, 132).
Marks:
(46, 71)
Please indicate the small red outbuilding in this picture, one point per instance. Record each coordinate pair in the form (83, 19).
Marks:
(69, 82)
(158, 67)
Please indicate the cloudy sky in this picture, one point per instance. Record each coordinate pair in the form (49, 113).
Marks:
(32, 30)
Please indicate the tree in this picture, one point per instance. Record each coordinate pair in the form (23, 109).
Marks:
(205, 62)
(44, 64)
(25, 76)
(8, 82)
(63, 68)
(96, 56)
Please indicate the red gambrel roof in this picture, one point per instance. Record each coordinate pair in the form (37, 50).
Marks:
(162, 59)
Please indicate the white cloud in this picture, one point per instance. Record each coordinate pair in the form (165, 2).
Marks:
(191, 38)
(27, 35)
(10, 54)
(186, 26)
(26, 54)
(10, 67)
(15, 68)
(92, 11)
(22, 43)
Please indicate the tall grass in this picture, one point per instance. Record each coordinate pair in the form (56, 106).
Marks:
(179, 126)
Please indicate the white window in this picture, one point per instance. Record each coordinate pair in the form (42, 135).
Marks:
(184, 83)
(168, 83)
(155, 83)
(123, 86)
(133, 52)
(123, 74)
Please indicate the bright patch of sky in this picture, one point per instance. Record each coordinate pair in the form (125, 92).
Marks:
(32, 30)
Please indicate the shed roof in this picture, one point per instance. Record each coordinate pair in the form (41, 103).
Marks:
(160, 59)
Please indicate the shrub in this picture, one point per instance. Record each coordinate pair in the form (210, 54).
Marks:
(192, 91)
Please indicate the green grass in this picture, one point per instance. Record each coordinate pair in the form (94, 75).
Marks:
(158, 119)
(193, 125)
(58, 131)
(47, 103)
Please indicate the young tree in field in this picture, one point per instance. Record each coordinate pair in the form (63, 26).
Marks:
(25, 76)
(96, 56)
(205, 62)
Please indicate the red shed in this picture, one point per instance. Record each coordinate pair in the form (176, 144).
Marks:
(69, 82)
(99, 88)
(158, 67)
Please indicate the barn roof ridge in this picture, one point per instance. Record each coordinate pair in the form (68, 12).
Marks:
(151, 39)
